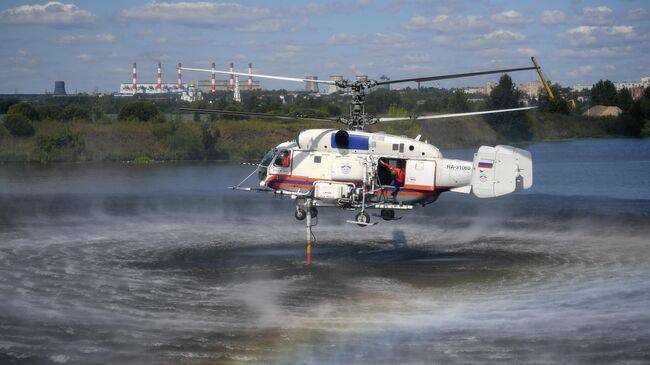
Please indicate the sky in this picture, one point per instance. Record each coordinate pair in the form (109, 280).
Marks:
(91, 44)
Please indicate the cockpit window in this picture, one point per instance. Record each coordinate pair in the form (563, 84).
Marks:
(283, 158)
(268, 157)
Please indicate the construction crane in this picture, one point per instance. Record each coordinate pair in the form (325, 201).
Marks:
(570, 103)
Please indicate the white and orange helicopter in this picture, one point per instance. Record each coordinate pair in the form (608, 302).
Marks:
(360, 171)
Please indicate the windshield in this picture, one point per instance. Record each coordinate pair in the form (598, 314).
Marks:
(264, 164)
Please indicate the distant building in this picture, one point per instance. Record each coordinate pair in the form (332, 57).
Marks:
(485, 90)
(224, 85)
(59, 88)
(531, 88)
(580, 87)
(385, 86)
(333, 88)
(311, 87)
(151, 88)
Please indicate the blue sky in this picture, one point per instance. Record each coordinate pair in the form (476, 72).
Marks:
(91, 44)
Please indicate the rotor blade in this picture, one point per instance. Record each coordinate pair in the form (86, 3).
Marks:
(258, 115)
(454, 76)
(440, 116)
(260, 76)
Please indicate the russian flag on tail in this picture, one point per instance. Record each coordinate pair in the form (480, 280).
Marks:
(485, 165)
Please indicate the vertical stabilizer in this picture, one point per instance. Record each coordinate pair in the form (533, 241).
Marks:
(501, 170)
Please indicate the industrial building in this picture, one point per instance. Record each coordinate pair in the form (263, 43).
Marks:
(181, 88)
(311, 87)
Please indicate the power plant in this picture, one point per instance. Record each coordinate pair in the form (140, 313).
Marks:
(179, 87)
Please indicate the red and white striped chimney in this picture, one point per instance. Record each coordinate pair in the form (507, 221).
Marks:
(214, 77)
(250, 76)
(180, 77)
(159, 83)
(134, 86)
(232, 76)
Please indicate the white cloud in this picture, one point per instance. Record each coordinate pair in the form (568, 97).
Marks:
(447, 23)
(552, 17)
(416, 58)
(477, 41)
(23, 57)
(80, 38)
(374, 40)
(52, 13)
(229, 16)
(581, 71)
(85, 57)
(600, 15)
(530, 52)
(510, 17)
(598, 35)
(601, 52)
(638, 14)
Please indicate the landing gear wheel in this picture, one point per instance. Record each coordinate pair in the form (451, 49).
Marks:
(362, 218)
(387, 214)
(314, 212)
(300, 214)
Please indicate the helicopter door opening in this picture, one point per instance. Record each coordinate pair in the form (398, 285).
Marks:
(384, 175)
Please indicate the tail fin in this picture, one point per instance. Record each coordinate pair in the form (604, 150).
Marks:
(501, 170)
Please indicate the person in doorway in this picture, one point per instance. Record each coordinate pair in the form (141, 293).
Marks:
(283, 159)
(398, 178)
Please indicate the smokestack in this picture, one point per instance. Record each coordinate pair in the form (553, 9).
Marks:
(180, 77)
(134, 86)
(214, 79)
(250, 77)
(232, 76)
(159, 84)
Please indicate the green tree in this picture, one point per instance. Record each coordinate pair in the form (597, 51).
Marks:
(142, 111)
(624, 100)
(511, 125)
(18, 125)
(25, 109)
(557, 105)
(457, 102)
(604, 93)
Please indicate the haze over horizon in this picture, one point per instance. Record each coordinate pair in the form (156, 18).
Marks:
(90, 45)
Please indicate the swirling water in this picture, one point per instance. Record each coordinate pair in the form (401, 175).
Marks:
(114, 263)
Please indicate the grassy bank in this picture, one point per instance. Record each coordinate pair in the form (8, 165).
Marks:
(249, 139)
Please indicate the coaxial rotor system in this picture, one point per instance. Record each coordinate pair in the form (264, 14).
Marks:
(358, 119)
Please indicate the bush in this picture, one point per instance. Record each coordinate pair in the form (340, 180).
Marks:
(142, 111)
(61, 145)
(75, 113)
(50, 113)
(24, 109)
(6, 103)
(18, 125)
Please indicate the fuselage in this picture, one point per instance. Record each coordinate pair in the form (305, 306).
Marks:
(329, 162)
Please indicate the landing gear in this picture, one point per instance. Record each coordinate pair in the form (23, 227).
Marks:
(313, 212)
(387, 214)
(363, 218)
(300, 214)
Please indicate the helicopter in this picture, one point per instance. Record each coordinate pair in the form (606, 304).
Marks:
(351, 169)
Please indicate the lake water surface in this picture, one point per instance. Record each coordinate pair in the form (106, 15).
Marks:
(161, 264)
